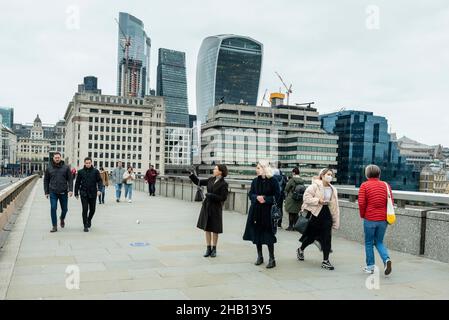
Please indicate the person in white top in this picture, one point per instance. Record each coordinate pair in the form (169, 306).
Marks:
(128, 178)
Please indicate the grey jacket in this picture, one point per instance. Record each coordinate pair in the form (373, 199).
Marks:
(117, 175)
(58, 179)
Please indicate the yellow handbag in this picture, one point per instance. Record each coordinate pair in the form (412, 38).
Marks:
(391, 216)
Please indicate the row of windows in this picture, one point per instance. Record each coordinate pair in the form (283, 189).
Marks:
(116, 121)
(307, 157)
(113, 129)
(308, 149)
(307, 140)
(106, 146)
(115, 155)
(114, 138)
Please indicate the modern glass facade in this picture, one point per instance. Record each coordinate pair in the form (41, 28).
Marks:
(172, 85)
(7, 116)
(137, 81)
(364, 140)
(228, 71)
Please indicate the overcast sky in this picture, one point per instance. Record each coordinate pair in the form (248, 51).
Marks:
(389, 57)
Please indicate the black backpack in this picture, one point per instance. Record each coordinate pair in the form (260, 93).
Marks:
(298, 192)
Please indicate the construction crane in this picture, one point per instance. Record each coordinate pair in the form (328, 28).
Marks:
(125, 48)
(264, 98)
(288, 88)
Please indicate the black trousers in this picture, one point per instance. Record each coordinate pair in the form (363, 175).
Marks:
(89, 205)
(320, 228)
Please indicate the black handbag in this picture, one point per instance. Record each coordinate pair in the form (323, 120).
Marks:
(199, 196)
(303, 222)
(275, 216)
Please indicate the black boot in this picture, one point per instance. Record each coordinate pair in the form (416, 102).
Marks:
(271, 262)
(213, 253)
(208, 252)
(259, 260)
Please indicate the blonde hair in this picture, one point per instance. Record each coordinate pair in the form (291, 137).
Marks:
(266, 168)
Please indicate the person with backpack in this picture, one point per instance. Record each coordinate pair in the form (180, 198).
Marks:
(294, 193)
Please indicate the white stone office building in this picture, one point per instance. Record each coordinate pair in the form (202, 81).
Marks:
(112, 128)
(178, 146)
(240, 136)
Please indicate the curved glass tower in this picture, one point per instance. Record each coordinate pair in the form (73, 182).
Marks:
(133, 78)
(228, 71)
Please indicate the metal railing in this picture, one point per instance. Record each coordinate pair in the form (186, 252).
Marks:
(401, 198)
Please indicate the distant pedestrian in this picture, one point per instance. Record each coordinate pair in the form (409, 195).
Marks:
(373, 197)
(58, 186)
(282, 181)
(150, 178)
(294, 197)
(260, 227)
(211, 216)
(117, 179)
(105, 179)
(321, 201)
(73, 173)
(128, 178)
(88, 185)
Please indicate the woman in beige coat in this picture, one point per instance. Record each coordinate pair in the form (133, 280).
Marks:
(321, 201)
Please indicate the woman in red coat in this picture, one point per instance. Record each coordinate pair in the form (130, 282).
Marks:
(373, 197)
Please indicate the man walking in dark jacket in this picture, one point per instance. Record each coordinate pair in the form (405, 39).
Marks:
(150, 178)
(58, 186)
(88, 185)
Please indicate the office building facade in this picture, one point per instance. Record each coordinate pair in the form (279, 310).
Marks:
(172, 85)
(240, 136)
(111, 128)
(133, 65)
(7, 116)
(8, 147)
(364, 140)
(228, 71)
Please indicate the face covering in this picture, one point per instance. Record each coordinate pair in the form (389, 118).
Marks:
(328, 179)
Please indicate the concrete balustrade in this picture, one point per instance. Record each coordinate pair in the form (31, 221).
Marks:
(420, 229)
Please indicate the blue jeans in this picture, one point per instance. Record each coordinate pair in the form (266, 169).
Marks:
(103, 193)
(63, 200)
(128, 191)
(118, 190)
(374, 236)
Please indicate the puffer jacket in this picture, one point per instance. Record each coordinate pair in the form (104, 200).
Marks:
(312, 197)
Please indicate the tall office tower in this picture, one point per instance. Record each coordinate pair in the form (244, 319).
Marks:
(228, 71)
(7, 116)
(363, 140)
(172, 85)
(133, 65)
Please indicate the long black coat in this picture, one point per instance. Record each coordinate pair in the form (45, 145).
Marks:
(88, 183)
(211, 215)
(259, 225)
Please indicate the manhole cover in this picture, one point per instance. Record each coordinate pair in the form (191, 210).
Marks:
(139, 244)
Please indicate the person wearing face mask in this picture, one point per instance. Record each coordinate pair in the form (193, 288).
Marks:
(321, 200)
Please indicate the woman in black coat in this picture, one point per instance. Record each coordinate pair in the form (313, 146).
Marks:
(260, 228)
(211, 215)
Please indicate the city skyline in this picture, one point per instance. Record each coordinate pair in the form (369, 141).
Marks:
(327, 52)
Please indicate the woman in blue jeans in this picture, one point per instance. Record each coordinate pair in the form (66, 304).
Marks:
(373, 197)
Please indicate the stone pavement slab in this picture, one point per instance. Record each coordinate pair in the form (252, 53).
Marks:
(161, 258)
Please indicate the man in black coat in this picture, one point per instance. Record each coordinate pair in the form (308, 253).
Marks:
(88, 184)
(58, 186)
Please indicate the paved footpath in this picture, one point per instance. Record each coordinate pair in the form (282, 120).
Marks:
(166, 260)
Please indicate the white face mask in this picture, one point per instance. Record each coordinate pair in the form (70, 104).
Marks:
(328, 179)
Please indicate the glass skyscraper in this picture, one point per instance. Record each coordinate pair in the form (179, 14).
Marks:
(228, 71)
(133, 80)
(172, 85)
(364, 140)
(7, 116)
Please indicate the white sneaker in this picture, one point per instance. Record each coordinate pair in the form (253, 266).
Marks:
(368, 270)
(129, 201)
